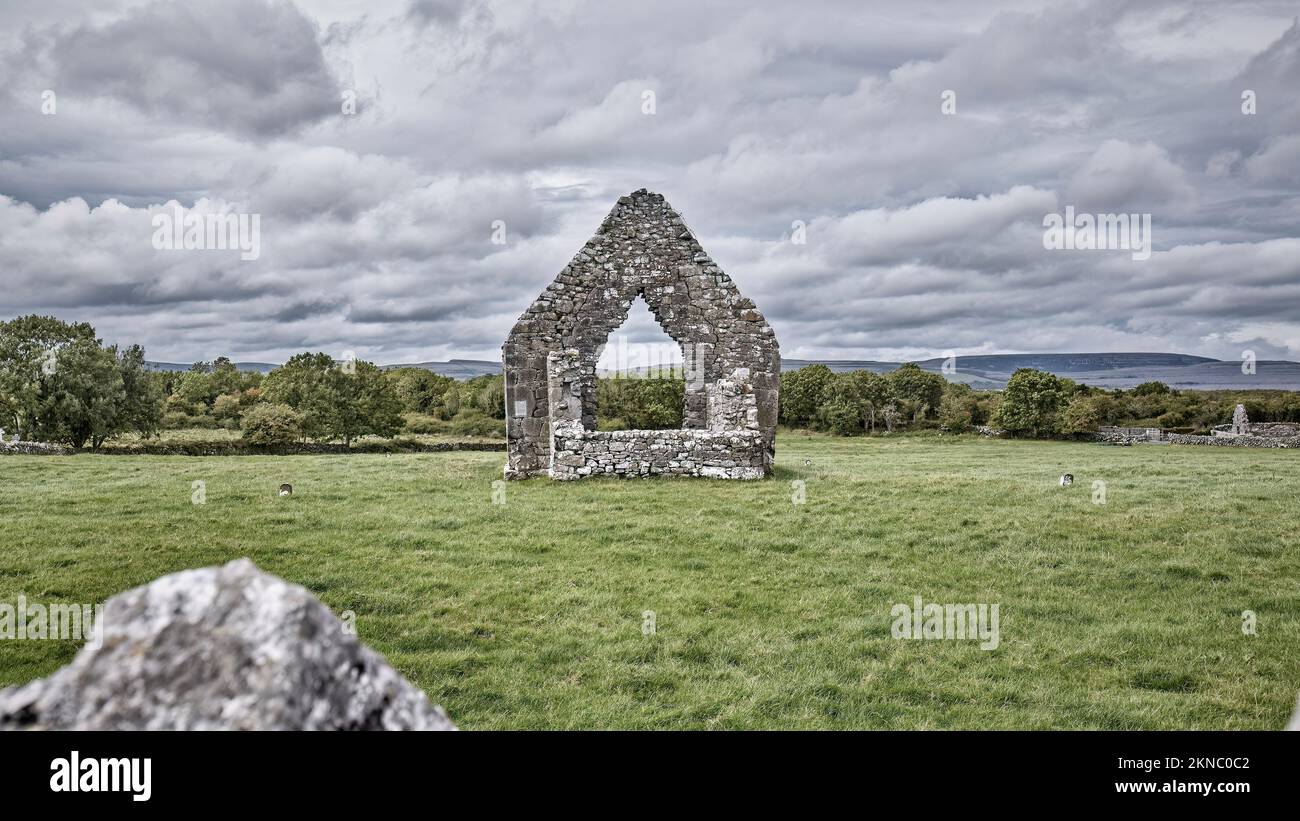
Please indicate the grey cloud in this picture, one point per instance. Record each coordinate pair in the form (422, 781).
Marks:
(924, 230)
(251, 66)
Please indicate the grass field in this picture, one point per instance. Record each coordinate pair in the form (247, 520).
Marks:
(768, 614)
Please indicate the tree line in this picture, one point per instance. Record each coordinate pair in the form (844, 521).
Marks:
(60, 383)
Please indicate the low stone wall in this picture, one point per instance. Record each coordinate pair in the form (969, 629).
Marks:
(734, 454)
(1233, 441)
(32, 449)
(1192, 439)
(1121, 438)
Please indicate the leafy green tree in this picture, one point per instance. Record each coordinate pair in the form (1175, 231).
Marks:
(450, 403)
(302, 383)
(335, 403)
(917, 392)
(801, 393)
(1082, 415)
(640, 402)
(1030, 403)
(226, 406)
(194, 387)
(58, 383)
(29, 350)
(419, 390)
(363, 403)
(872, 393)
(88, 395)
(224, 378)
(959, 408)
(142, 406)
(1151, 389)
(490, 396)
(271, 423)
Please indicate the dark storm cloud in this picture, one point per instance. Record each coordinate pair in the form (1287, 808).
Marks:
(250, 66)
(490, 139)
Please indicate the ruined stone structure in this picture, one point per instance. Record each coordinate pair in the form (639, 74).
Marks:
(1240, 422)
(732, 363)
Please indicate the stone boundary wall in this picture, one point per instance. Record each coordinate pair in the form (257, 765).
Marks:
(33, 449)
(1244, 441)
(579, 453)
(1192, 439)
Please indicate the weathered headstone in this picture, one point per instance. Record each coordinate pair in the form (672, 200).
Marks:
(1240, 422)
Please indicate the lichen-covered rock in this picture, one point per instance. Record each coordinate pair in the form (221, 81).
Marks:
(221, 648)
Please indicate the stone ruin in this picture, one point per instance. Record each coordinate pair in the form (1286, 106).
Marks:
(221, 648)
(1240, 423)
(731, 360)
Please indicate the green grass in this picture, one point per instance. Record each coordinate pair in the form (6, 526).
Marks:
(1124, 615)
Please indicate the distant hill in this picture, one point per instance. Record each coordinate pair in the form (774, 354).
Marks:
(261, 367)
(456, 368)
(986, 371)
(1102, 370)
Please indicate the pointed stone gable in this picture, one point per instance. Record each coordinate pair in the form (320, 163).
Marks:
(643, 248)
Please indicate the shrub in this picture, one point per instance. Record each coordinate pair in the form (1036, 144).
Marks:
(422, 423)
(840, 417)
(475, 423)
(226, 406)
(271, 424)
(175, 420)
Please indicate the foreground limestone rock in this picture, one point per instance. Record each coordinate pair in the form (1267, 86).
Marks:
(222, 648)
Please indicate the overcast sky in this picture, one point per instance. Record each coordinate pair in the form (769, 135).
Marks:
(924, 230)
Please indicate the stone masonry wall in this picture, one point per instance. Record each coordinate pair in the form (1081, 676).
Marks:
(579, 453)
(643, 248)
(730, 447)
(1192, 439)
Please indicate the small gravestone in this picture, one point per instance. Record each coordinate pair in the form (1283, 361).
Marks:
(1240, 422)
(286, 489)
(1067, 479)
